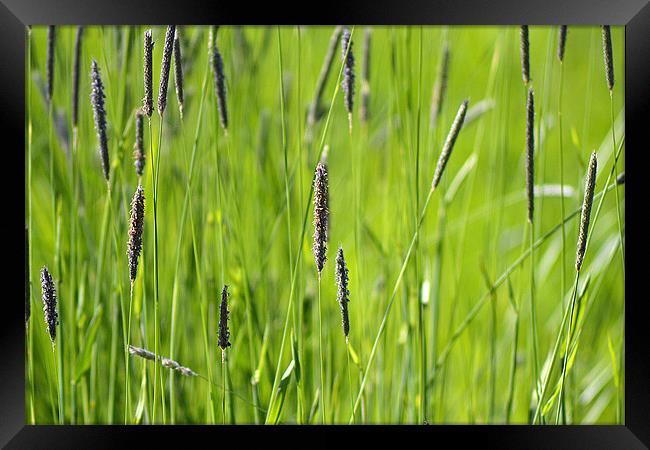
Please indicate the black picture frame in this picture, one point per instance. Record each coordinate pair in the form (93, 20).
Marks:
(634, 14)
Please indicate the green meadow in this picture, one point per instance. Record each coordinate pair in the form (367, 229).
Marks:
(461, 310)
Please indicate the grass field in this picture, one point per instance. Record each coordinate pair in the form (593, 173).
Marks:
(460, 309)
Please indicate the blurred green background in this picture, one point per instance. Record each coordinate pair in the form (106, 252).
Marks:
(237, 230)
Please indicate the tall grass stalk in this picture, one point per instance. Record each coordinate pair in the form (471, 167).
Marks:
(562, 206)
(471, 315)
(513, 364)
(154, 182)
(323, 402)
(300, 407)
(569, 333)
(561, 44)
(285, 157)
(593, 221)
(530, 183)
(30, 327)
(187, 204)
(442, 162)
(421, 330)
(465, 206)
(276, 378)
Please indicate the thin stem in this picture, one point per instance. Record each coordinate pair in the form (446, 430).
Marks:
(286, 168)
(223, 379)
(298, 325)
(618, 206)
(276, 378)
(382, 325)
(154, 180)
(127, 408)
(562, 207)
(601, 194)
(513, 370)
(479, 304)
(566, 349)
(30, 330)
(56, 413)
(187, 202)
(423, 346)
(533, 312)
(562, 210)
(347, 348)
(156, 163)
(320, 351)
(493, 357)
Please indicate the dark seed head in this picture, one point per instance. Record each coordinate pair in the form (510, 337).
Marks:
(136, 225)
(220, 86)
(224, 333)
(147, 101)
(440, 87)
(449, 143)
(321, 215)
(607, 54)
(51, 41)
(49, 303)
(525, 53)
(530, 153)
(561, 42)
(343, 294)
(620, 179)
(348, 70)
(164, 68)
(590, 185)
(178, 71)
(99, 112)
(75, 76)
(138, 152)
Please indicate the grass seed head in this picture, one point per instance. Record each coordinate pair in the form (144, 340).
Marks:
(607, 54)
(49, 303)
(525, 53)
(99, 113)
(530, 153)
(321, 215)
(343, 294)
(51, 42)
(136, 225)
(147, 101)
(220, 86)
(561, 42)
(142, 353)
(440, 86)
(348, 70)
(178, 71)
(590, 185)
(315, 108)
(224, 333)
(449, 143)
(165, 362)
(75, 76)
(138, 152)
(165, 67)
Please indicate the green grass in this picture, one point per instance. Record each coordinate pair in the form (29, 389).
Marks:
(440, 284)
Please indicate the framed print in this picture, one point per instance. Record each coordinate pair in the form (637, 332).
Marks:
(407, 215)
